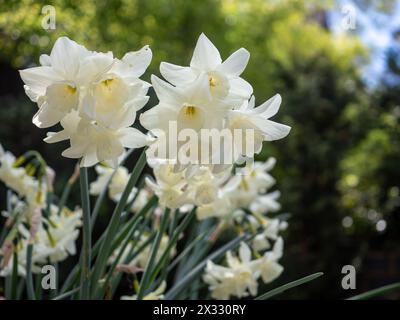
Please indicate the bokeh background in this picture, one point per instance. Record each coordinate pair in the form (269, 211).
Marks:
(336, 65)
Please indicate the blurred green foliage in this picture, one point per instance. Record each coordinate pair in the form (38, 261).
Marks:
(341, 158)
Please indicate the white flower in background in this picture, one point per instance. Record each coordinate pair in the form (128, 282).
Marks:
(270, 269)
(257, 174)
(238, 279)
(141, 200)
(17, 179)
(54, 240)
(220, 208)
(93, 95)
(257, 119)
(249, 182)
(21, 249)
(271, 230)
(266, 203)
(182, 189)
(204, 186)
(223, 77)
(55, 86)
(169, 186)
(157, 294)
(119, 179)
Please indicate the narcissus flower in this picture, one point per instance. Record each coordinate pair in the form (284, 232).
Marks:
(269, 267)
(19, 180)
(93, 95)
(238, 279)
(117, 179)
(204, 111)
(223, 78)
(54, 240)
(247, 117)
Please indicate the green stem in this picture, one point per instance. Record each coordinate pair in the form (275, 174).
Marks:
(86, 245)
(152, 260)
(29, 278)
(14, 277)
(113, 225)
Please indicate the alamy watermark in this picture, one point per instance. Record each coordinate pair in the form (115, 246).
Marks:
(49, 19)
(349, 280)
(188, 146)
(349, 15)
(49, 279)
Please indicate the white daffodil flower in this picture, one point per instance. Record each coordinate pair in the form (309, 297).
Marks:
(223, 77)
(238, 279)
(21, 249)
(54, 240)
(257, 119)
(20, 181)
(114, 97)
(93, 95)
(169, 186)
(266, 203)
(16, 178)
(119, 179)
(55, 86)
(204, 185)
(271, 227)
(141, 200)
(189, 106)
(269, 267)
(94, 143)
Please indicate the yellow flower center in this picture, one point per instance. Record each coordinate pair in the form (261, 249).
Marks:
(190, 111)
(212, 81)
(107, 83)
(71, 89)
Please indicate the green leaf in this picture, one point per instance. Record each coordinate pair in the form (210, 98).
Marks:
(66, 294)
(174, 239)
(113, 225)
(103, 193)
(87, 236)
(121, 252)
(153, 254)
(29, 277)
(186, 251)
(289, 285)
(376, 292)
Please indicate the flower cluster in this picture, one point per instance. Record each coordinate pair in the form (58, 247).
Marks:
(53, 241)
(21, 179)
(210, 95)
(94, 96)
(206, 114)
(219, 195)
(30, 220)
(240, 277)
